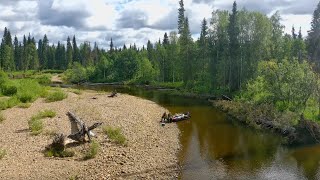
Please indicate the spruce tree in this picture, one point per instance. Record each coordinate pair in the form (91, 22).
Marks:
(111, 46)
(313, 39)
(181, 17)
(69, 57)
(165, 41)
(233, 31)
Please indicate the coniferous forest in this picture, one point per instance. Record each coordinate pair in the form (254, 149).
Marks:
(237, 51)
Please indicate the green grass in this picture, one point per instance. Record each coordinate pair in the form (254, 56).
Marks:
(56, 96)
(93, 150)
(3, 153)
(29, 90)
(36, 126)
(9, 102)
(115, 135)
(2, 118)
(43, 79)
(76, 91)
(55, 153)
(36, 123)
(24, 105)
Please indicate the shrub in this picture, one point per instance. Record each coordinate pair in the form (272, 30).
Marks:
(29, 90)
(2, 153)
(56, 96)
(93, 150)
(115, 135)
(44, 79)
(26, 97)
(52, 152)
(9, 90)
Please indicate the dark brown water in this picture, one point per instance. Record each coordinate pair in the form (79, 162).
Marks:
(214, 147)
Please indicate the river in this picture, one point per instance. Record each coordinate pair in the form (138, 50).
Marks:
(215, 147)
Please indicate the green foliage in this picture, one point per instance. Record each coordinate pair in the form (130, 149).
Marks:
(9, 102)
(115, 135)
(287, 85)
(9, 90)
(78, 74)
(93, 150)
(36, 123)
(46, 113)
(56, 96)
(29, 90)
(2, 118)
(3, 153)
(76, 91)
(52, 152)
(44, 79)
(24, 105)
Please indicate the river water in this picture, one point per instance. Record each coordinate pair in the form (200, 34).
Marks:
(215, 147)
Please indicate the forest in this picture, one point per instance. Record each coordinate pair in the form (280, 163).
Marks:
(243, 53)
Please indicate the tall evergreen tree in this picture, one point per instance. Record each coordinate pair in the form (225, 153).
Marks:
(181, 18)
(165, 41)
(76, 53)
(69, 57)
(313, 39)
(233, 31)
(111, 46)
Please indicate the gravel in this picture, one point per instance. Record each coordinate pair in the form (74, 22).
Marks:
(150, 153)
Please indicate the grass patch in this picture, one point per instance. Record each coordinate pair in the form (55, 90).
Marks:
(56, 96)
(3, 153)
(24, 105)
(29, 90)
(36, 123)
(76, 91)
(2, 118)
(115, 135)
(43, 79)
(46, 113)
(36, 126)
(52, 152)
(93, 150)
(9, 102)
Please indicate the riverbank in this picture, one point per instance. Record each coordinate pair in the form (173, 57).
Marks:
(150, 153)
(295, 129)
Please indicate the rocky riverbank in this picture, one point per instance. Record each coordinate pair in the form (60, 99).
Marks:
(150, 153)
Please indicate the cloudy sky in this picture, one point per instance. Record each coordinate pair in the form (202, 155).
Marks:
(129, 21)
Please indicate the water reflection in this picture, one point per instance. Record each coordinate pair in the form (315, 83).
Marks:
(214, 147)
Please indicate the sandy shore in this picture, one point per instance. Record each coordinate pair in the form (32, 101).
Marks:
(151, 152)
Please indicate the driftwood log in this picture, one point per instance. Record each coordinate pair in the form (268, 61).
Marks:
(224, 97)
(113, 94)
(79, 129)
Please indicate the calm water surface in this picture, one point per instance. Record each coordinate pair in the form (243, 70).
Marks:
(214, 147)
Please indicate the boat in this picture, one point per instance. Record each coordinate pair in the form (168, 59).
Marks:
(180, 116)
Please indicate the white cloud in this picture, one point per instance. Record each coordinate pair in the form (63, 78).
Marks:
(140, 20)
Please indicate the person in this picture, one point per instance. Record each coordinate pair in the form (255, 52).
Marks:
(164, 117)
(169, 118)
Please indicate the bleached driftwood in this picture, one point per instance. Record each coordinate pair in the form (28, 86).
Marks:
(79, 129)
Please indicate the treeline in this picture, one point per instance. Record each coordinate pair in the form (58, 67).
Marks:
(224, 58)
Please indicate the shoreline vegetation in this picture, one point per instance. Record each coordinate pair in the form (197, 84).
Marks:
(130, 144)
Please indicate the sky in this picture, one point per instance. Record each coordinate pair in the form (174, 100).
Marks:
(130, 21)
